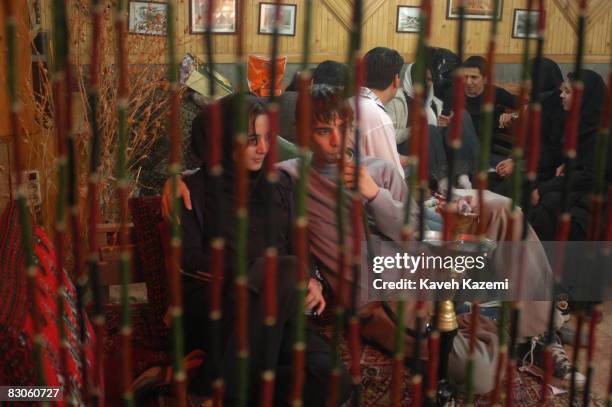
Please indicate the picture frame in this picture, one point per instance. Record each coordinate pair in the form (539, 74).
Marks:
(474, 9)
(519, 23)
(148, 18)
(288, 14)
(408, 19)
(224, 17)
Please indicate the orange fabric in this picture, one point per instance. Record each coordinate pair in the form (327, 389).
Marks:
(258, 75)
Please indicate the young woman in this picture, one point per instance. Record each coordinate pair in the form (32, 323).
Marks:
(197, 232)
(547, 197)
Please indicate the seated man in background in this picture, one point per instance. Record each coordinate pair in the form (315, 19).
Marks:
(377, 138)
(466, 161)
(475, 81)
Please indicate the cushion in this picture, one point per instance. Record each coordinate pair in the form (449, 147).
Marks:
(147, 217)
(18, 366)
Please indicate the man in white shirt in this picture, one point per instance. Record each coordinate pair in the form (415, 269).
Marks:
(377, 138)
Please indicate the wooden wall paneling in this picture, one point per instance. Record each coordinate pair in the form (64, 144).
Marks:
(341, 9)
(331, 18)
(599, 35)
(23, 70)
(570, 10)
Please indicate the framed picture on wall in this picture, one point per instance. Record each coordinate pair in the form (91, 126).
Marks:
(474, 9)
(223, 17)
(287, 18)
(148, 18)
(519, 24)
(408, 19)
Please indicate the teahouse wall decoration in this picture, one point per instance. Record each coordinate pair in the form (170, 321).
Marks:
(223, 18)
(148, 18)
(519, 25)
(408, 19)
(286, 18)
(332, 17)
(475, 9)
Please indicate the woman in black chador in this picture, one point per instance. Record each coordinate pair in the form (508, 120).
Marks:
(552, 121)
(197, 228)
(547, 197)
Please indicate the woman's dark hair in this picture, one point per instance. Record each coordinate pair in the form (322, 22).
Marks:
(329, 102)
(413, 73)
(550, 74)
(200, 127)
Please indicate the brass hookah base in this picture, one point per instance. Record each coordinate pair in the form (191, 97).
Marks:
(447, 325)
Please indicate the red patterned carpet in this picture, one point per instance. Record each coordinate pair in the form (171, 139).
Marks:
(375, 368)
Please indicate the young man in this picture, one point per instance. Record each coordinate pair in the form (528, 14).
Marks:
(377, 137)
(475, 81)
(328, 72)
(384, 192)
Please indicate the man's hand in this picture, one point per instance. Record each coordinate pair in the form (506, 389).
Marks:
(367, 186)
(560, 170)
(183, 193)
(505, 167)
(314, 298)
(464, 205)
(506, 119)
(535, 197)
(444, 121)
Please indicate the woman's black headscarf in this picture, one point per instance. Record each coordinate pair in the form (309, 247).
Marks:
(592, 101)
(201, 132)
(551, 77)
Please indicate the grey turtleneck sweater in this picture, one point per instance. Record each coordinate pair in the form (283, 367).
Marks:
(385, 212)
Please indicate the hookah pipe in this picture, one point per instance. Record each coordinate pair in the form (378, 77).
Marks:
(446, 319)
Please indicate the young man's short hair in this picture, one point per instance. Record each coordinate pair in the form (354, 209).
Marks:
(476, 61)
(328, 102)
(330, 73)
(381, 66)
